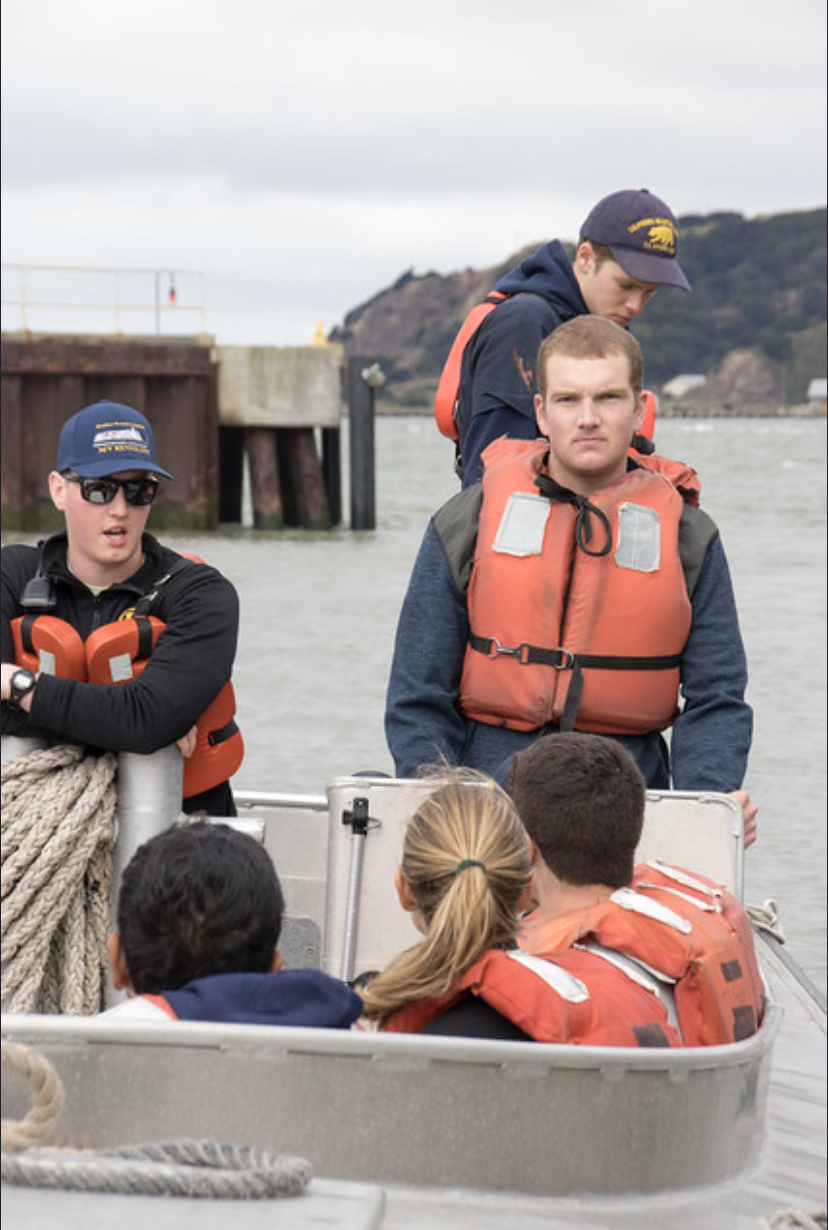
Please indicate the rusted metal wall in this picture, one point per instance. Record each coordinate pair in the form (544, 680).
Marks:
(46, 379)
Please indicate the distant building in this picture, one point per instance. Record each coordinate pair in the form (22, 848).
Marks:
(679, 385)
(817, 392)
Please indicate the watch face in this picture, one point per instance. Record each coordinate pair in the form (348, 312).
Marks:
(21, 683)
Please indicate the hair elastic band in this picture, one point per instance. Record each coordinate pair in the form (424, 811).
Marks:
(469, 862)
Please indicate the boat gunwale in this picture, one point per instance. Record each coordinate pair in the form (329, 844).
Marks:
(389, 1047)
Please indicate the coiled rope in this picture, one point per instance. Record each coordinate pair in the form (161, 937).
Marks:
(48, 1097)
(194, 1168)
(58, 835)
(795, 1219)
(766, 918)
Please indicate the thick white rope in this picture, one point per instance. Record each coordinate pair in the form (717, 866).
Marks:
(795, 1219)
(58, 835)
(48, 1096)
(766, 918)
(194, 1168)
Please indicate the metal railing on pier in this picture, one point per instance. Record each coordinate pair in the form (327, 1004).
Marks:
(88, 299)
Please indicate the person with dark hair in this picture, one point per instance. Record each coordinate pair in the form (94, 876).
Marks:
(199, 917)
(576, 587)
(108, 638)
(582, 799)
(465, 876)
(627, 249)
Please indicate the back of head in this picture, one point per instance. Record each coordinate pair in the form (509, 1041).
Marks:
(466, 863)
(198, 899)
(590, 337)
(581, 798)
(641, 234)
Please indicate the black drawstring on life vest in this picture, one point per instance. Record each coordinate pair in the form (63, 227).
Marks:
(583, 524)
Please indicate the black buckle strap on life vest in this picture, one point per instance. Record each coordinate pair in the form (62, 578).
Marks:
(563, 659)
(223, 733)
(144, 626)
(26, 624)
(583, 524)
(526, 654)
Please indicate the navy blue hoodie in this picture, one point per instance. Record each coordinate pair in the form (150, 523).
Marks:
(304, 997)
(497, 375)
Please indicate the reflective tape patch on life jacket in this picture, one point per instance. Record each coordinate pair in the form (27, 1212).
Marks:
(560, 980)
(629, 899)
(119, 651)
(523, 525)
(684, 877)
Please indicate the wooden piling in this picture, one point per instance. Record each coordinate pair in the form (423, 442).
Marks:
(265, 479)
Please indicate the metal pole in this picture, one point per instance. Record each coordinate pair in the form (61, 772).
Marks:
(363, 380)
(149, 801)
(358, 820)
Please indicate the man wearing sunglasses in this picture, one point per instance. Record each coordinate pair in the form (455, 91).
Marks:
(104, 568)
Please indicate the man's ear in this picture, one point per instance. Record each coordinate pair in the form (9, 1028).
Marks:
(584, 257)
(118, 969)
(404, 891)
(57, 490)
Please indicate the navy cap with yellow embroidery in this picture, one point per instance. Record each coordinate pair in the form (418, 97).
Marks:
(641, 233)
(107, 438)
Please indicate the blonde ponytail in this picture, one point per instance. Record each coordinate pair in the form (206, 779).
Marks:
(467, 865)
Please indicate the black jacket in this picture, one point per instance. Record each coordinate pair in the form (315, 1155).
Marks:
(186, 671)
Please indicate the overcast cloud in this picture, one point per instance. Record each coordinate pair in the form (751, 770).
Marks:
(303, 155)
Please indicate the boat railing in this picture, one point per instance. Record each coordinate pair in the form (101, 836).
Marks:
(383, 1107)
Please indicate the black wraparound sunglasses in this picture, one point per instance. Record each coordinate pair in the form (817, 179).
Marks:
(137, 491)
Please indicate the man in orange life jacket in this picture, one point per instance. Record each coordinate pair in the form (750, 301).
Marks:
(82, 586)
(581, 800)
(575, 587)
(626, 250)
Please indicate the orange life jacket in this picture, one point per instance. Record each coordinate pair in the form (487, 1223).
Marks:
(572, 997)
(117, 653)
(448, 389)
(48, 644)
(559, 633)
(686, 928)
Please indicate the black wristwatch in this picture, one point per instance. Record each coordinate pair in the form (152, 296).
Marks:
(21, 684)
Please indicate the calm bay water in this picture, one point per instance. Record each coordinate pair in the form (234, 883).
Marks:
(319, 612)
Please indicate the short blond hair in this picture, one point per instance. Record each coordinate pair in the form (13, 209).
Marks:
(591, 337)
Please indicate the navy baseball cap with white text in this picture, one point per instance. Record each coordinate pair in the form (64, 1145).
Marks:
(641, 233)
(107, 438)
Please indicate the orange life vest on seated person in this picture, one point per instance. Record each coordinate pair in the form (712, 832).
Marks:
(570, 996)
(117, 653)
(563, 596)
(682, 926)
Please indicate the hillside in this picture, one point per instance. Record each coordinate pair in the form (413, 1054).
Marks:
(754, 325)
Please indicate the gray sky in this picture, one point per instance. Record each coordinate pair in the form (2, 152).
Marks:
(302, 155)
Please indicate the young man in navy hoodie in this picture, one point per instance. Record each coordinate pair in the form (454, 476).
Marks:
(199, 916)
(626, 250)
